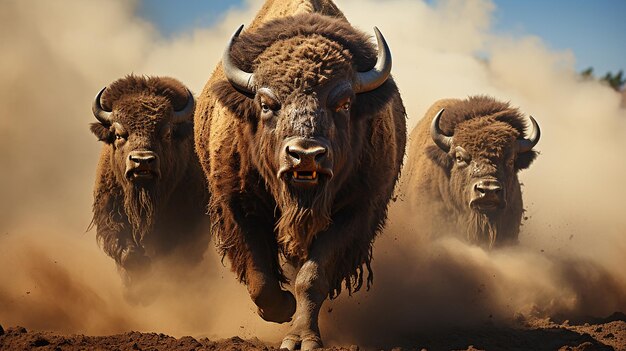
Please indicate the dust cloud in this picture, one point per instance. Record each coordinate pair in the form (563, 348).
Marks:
(54, 277)
(570, 261)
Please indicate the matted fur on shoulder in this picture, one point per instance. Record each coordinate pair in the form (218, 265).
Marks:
(170, 88)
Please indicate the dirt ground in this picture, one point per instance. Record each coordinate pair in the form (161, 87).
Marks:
(593, 334)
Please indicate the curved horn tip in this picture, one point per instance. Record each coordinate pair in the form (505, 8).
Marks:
(240, 79)
(382, 43)
(372, 79)
(187, 111)
(238, 31)
(99, 112)
(525, 145)
(536, 134)
(443, 141)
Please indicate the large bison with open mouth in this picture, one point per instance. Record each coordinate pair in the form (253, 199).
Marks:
(150, 194)
(461, 173)
(301, 133)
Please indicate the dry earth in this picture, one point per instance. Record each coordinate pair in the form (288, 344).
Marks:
(539, 334)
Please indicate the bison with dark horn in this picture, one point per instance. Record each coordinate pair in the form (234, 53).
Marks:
(461, 173)
(301, 136)
(150, 195)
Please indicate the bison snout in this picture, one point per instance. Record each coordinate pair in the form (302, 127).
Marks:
(142, 164)
(487, 187)
(142, 157)
(304, 160)
(487, 194)
(306, 155)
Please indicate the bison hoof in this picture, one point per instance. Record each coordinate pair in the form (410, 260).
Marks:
(291, 342)
(281, 311)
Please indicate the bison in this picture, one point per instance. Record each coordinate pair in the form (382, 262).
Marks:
(461, 173)
(301, 133)
(150, 193)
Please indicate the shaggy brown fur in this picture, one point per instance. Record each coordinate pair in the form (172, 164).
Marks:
(229, 156)
(304, 67)
(140, 222)
(311, 71)
(437, 186)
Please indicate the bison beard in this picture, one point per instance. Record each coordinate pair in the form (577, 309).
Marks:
(140, 205)
(260, 217)
(482, 228)
(303, 214)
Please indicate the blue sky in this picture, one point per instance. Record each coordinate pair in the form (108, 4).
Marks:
(594, 30)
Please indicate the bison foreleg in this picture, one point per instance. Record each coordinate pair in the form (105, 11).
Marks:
(275, 305)
(312, 284)
(311, 289)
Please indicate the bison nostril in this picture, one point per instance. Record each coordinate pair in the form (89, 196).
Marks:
(142, 159)
(483, 188)
(320, 156)
(293, 154)
(479, 189)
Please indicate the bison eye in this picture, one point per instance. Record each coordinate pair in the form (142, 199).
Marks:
(265, 108)
(268, 102)
(461, 156)
(344, 105)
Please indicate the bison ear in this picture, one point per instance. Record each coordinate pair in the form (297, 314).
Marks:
(524, 160)
(102, 132)
(439, 157)
(183, 130)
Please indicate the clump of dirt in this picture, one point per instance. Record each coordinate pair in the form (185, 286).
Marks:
(531, 334)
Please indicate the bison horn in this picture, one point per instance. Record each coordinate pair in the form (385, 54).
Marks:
(372, 79)
(525, 145)
(101, 115)
(187, 111)
(443, 141)
(241, 80)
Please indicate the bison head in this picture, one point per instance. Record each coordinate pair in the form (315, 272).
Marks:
(147, 122)
(305, 125)
(482, 159)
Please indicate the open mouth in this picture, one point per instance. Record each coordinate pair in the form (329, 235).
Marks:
(485, 205)
(304, 176)
(141, 174)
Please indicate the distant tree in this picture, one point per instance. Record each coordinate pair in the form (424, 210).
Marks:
(587, 74)
(615, 81)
